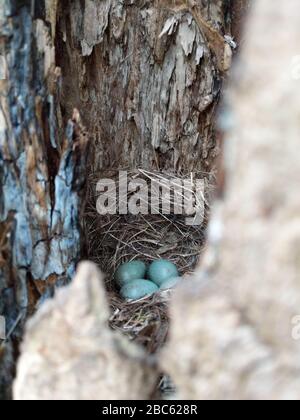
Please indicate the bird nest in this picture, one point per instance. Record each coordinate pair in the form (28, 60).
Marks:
(113, 239)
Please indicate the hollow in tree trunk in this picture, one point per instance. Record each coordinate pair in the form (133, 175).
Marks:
(144, 76)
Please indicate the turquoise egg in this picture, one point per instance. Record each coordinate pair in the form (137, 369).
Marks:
(137, 289)
(130, 271)
(161, 270)
(170, 283)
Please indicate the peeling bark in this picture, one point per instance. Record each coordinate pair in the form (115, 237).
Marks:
(41, 171)
(146, 79)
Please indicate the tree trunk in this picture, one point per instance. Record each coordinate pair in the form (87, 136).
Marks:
(146, 79)
(41, 174)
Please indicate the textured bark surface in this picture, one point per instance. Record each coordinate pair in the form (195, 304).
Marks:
(41, 173)
(145, 78)
(237, 340)
(70, 353)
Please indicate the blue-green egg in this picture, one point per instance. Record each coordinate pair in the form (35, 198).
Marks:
(137, 289)
(161, 270)
(170, 283)
(130, 271)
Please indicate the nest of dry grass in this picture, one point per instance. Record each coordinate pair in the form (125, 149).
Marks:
(114, 239)
(144, 321)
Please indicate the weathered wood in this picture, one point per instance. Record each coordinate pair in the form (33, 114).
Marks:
(146, 79)
(41, 170)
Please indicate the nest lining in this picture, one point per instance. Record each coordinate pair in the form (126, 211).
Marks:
(115, 239)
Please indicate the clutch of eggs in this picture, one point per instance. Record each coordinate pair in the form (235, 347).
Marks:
(131, 277)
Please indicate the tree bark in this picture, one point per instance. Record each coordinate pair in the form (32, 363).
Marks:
(146, 78)
(41, 174)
